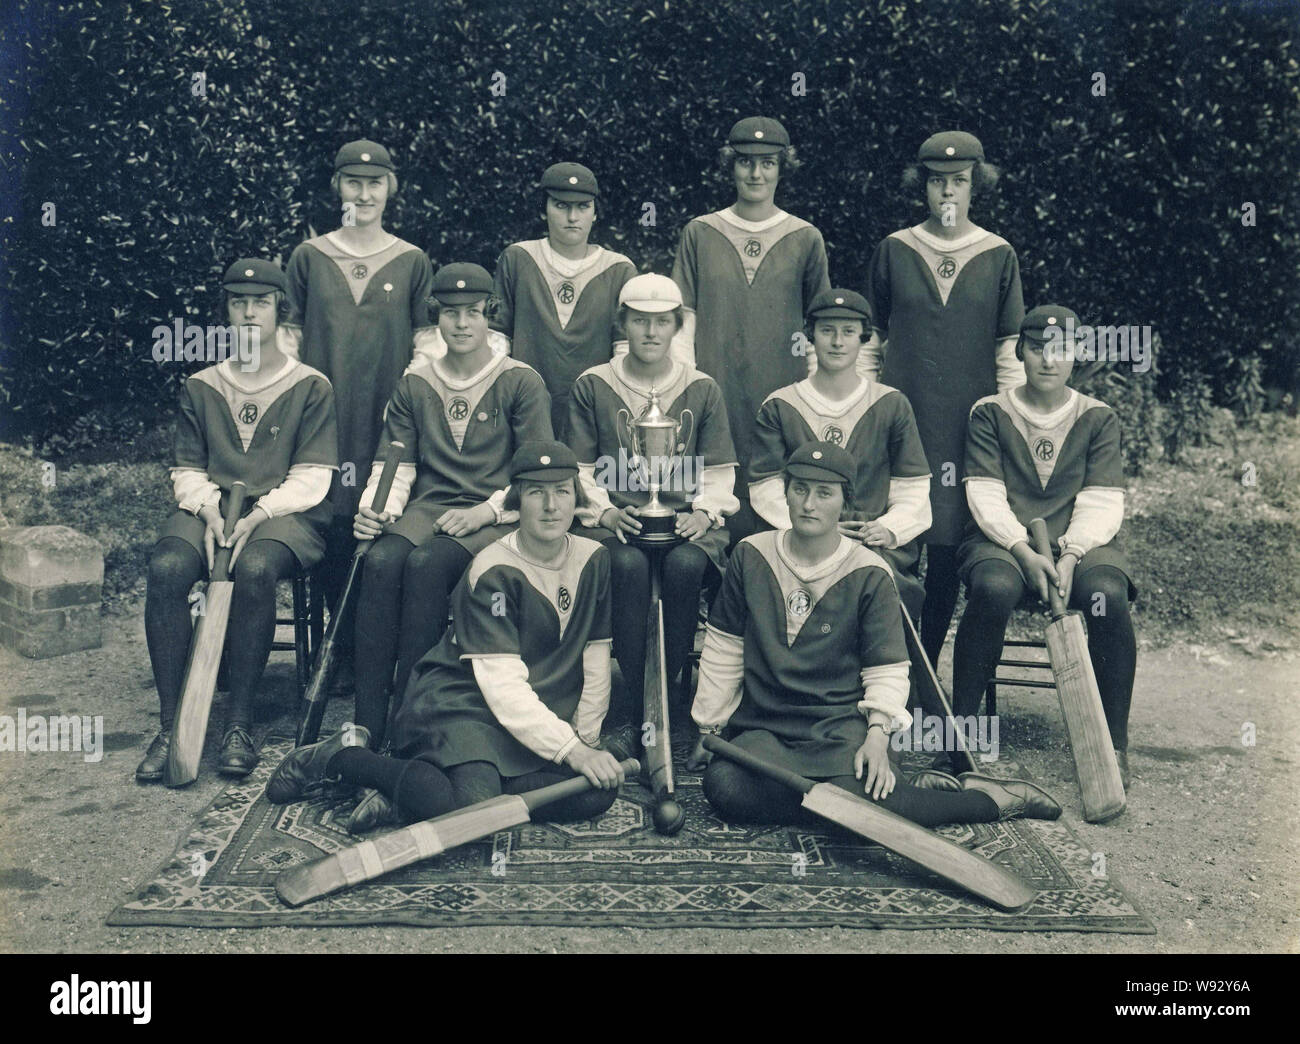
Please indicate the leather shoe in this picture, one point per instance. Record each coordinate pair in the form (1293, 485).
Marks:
(373, 810)
(623, 743)
(1014, 797)
(933, 779)
(1121, 756)
(238, 755)
(306, 765)
(154, 765)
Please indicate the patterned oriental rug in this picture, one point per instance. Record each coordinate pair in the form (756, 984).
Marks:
(616, 871)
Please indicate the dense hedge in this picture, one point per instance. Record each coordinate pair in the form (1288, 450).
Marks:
(1127, 206)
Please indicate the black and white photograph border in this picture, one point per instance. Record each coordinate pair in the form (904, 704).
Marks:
(1135, 167)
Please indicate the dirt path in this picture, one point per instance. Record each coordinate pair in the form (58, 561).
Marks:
(1208, 848)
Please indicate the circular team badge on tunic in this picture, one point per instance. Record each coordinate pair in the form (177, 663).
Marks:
(834, 434)
(248, 413)
(753, 248)
(360, 271)
(565, 599)
(458, 409)
(799, 602)
(947, 268)
(565, 293)
(1044, 449)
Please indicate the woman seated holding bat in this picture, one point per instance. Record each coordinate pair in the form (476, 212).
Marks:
(1045, 451)
(460, 418)
(699, 488)
(267, 420)
(890, 505)
(804, 665)
(514, 695)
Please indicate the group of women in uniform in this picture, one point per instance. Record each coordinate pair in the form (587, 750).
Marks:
(826, 440)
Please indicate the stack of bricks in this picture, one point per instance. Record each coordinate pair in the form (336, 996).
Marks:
(51, 578)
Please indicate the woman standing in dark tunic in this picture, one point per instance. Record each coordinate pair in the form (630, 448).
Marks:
(514, 696)
(358, 313)
(947, 304)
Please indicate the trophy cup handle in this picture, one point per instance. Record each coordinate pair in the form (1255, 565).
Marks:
(685, 440)
(623, 423)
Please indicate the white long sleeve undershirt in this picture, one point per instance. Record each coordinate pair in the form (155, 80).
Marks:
(767, 498)
(722, 672)
(1097, 516)
(305, 486)
(1011, 371)
(907, 511)
(503, 680)
(400, 493)
(987, 498)
(907, 508)
(193, 489)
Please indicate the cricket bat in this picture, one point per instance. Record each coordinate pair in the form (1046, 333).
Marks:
(206, 645)
(993, 883)
(935, 689)
(1076, 687)
(656, 728)
(318, 686)
(370, 859)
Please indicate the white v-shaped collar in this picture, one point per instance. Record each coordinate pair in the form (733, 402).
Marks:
(948, 246)
(731, 217)
(334, 238)
(1043, 420)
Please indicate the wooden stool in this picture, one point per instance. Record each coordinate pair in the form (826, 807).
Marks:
(991, 690)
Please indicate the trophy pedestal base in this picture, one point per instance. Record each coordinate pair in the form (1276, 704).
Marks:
(656, 531)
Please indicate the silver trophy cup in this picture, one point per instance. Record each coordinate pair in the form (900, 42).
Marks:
(656, 441)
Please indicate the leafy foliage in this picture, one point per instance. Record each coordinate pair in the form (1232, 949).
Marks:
(1125, 206)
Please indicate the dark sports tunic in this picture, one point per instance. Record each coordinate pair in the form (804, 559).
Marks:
(876, 427)
(943, 314)
(358, 317)
(1043, 471)
(594, 436)
(506, 605)
(291, 421)
(507, 405)
(749, 291)
(799, 703)
(558, 325)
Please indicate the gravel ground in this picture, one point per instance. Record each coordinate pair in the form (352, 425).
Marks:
(1207, 849)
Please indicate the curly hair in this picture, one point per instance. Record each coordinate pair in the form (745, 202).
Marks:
(788, 161)
(984, 177)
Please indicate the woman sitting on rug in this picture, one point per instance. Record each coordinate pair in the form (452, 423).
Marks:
(804, 665)
(514, 695)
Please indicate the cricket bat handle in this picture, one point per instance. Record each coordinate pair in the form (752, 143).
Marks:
(1042, 543)
(391, 459)
(535, 799)
(756, 765)
(234, 510)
